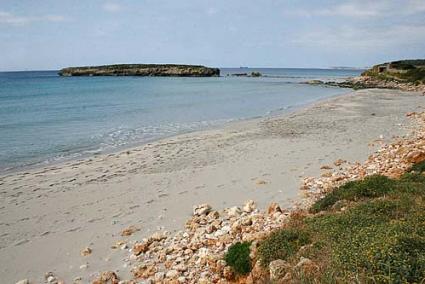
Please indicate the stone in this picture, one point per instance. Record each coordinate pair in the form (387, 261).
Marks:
(159, 276)
(304, 262)
(274, 208)
(84, 266)
(249, 206)
(278, 269)
(107, 277)
(202, 209)
(228, 273)
(140, 248)
(415, 157)
(172, 273)
(339, 162)
(23, 281)
(85, 252)
(233, 211)
(129, 231)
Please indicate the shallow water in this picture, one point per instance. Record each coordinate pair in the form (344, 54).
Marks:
(46, 118)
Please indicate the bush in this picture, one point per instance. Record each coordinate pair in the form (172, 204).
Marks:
(238, 258)
(372, 186)
(282, 244)
(419, 167)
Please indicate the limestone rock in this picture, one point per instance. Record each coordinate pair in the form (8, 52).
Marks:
(274, 208)
(249, 206)
(278, 269)
(202, 209)
(86, 251)
(107, 277)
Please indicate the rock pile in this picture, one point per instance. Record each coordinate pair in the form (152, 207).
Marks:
(195, 255)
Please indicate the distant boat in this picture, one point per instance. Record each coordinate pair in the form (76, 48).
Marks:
(243, 67)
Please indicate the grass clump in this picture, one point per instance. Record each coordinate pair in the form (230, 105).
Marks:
(379, 238)
(238, 258)
(372, 186)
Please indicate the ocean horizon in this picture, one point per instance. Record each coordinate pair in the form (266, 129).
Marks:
(45, 118)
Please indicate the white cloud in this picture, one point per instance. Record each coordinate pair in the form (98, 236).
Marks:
(365, 8)
(366, 38)
(112, 7)
(11, 19)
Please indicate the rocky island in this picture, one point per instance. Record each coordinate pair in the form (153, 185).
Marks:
(160, 70)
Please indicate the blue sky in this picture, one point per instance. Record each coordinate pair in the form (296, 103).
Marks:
(51, 34)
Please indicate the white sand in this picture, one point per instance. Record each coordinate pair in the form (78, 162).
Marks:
(48, 215)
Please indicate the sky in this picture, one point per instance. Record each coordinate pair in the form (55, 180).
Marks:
(52, 34)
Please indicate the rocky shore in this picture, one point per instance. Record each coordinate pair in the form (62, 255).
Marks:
(368, 82)
(405, 75)
(161, 70)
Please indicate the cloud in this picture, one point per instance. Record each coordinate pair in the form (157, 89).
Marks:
(365, 38)
(112, 7)
(11, 19)
(364, 9)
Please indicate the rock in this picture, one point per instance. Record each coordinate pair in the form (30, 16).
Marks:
(339, 162)
(129, 231)
(107, 277)
(228, 273)
(249, 206)
(84, 266)
(157, 237)
(233, 211)
(304, 262)
(274, 208)
(182, 279)
(23, 281)
(415, 157)
(278, 269)
(326, 167)
(172, 273)
(159, 276)
(139, 248)
(202, 209)
(260, 182)
(85, 252)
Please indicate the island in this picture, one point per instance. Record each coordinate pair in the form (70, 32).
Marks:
(157, 70)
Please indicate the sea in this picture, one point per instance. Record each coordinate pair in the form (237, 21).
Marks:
(46, 119)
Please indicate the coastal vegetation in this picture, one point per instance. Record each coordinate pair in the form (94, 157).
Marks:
(406, 75)
(366, 231)
(412, 71)
(238, 258)
(163, 70)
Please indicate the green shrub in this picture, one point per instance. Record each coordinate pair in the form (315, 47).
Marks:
(282, 244)
(419, 167)
(371, 186)
(238, 258)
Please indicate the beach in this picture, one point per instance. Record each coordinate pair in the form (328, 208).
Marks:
(50, 214)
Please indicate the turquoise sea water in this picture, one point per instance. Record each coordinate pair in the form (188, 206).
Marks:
(45, 118)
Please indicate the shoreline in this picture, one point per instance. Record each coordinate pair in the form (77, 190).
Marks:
(117, 150)
(88, 203)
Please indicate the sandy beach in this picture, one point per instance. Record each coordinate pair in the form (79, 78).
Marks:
(48, 215)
